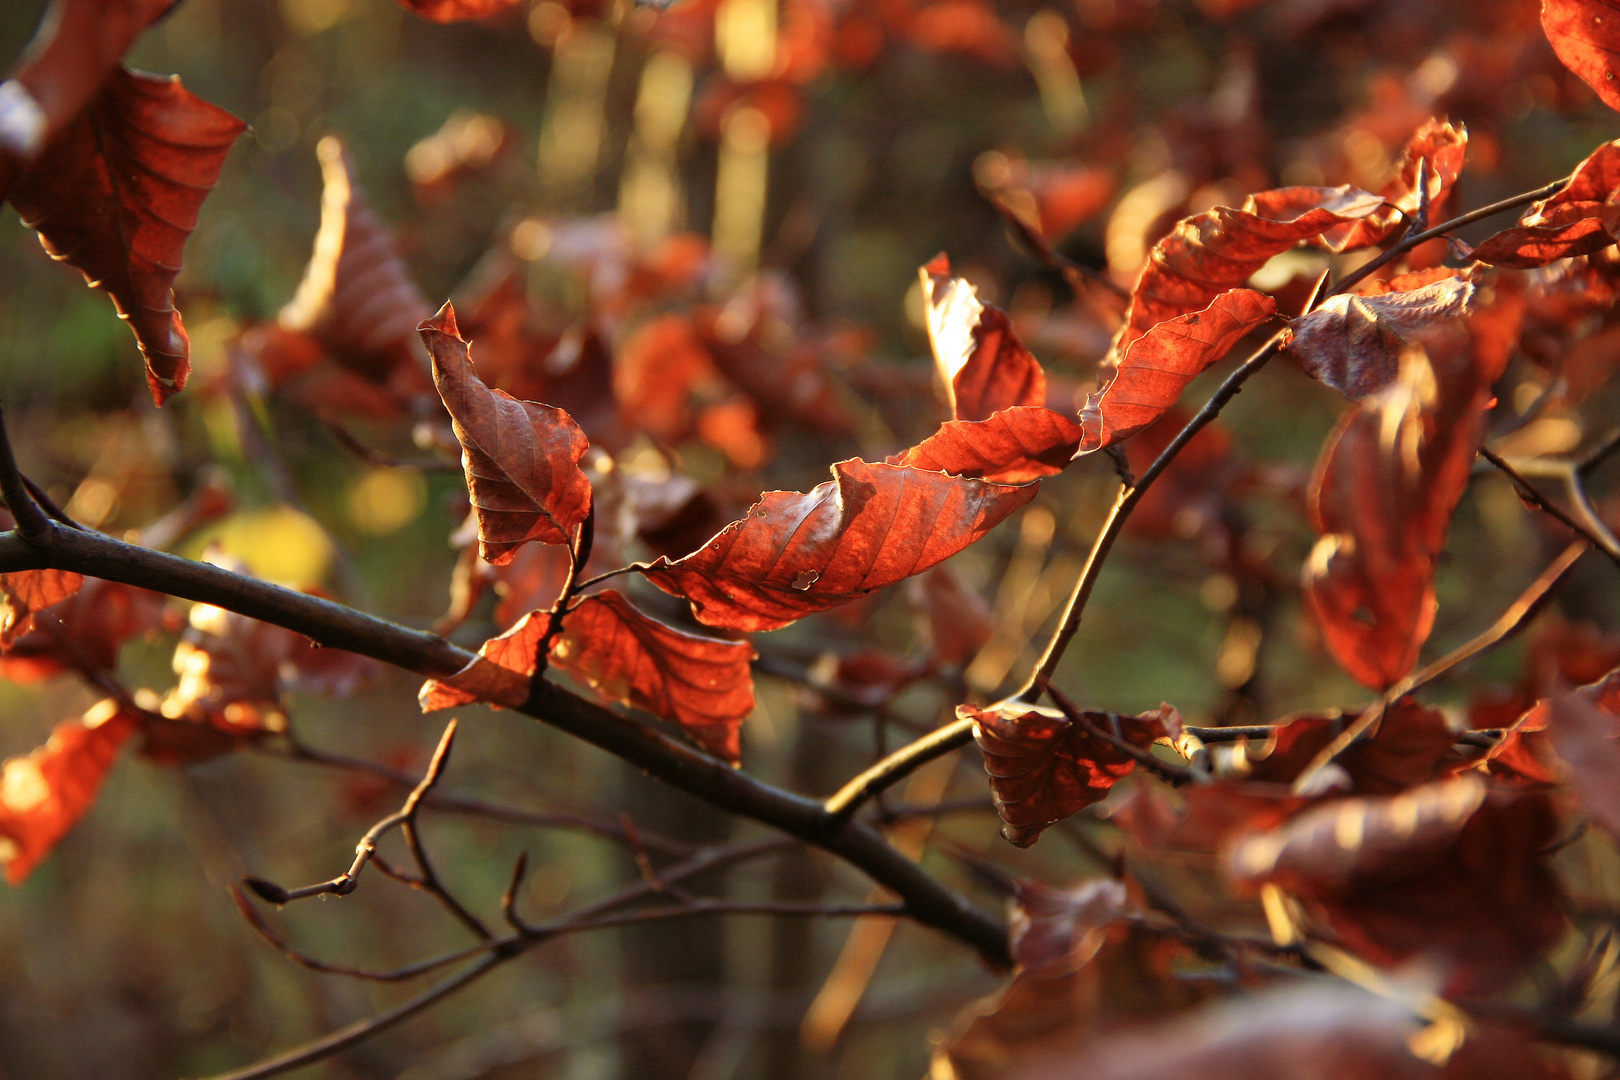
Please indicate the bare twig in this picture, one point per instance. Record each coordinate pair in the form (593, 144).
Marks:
(48, 504)
(1588, 524)
(509, 898)
(32, 524)
(1165, 770)
(1077, 274)
(894, 768)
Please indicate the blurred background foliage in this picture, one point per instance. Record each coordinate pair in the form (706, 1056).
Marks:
(576, 141)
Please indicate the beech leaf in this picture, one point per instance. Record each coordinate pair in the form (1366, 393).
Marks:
(798, 553)
(1013, 446)
(116, 194)
(500, 674)
(83, 632)
(24, 592)
(44, 794)
(1442, 147)
(1053, 931)
(1586, 36)
(1581, 218)
(521, 458)
(457, 10)
(703, 684)
(1045, 768)
(984, 367)
(1156, 367)
(1353, 342)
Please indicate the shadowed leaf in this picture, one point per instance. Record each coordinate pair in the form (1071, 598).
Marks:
(982, 363)
(521, 458)
(794, 554)
(1058, 930)
(116, 194)
(83, 632)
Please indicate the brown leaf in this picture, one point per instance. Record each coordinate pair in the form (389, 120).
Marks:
(1013, 446)
(1413, 744)
(1044, 768)
(1442, 147)
(869, 527)
(457, 10)
(1219, 249)
(1444, 870)
(1055, 931)
(26, 591)
(1578, 219)
(1157, 366)
(959, 620)
(521, 458)
(44, 794)
(81, 633)
(1385, 488)
(984, 367)
(1586, 735)
(356, 298)
(1586, 36)
(703, 684)
(1353, 343)
(116, 194)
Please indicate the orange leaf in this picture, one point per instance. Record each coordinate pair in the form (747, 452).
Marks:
(1045, 768)
(1157, 366)
(457, 10)
(116, 194)
(500, 674)
(984, 366)
(356, 298)
(26, 591)
(44, 794)
(1013, 446)
(1586, 36)
(1579, 219)
(794, 554)
(703, 684)
(1439, 144)
(521, 458)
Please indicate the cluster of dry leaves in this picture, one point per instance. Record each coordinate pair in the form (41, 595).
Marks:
(1412, 847)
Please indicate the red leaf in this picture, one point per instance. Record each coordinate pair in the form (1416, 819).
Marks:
(703, 684)
(1439, 144)
(44, 794)
(116, 194)
(1388, 481)
(457, 10)
(356, 297)
(1054, 931)
(81, 633)
(958, 619)
(794, 554)
(1353, 343)
(26, 591)
(78, 45)
(1586, 36)
(658, 367)
(1044, 768)
(1157, 366)
(1578, 219)
(1413, 745)
(1219, 249)
(984, 367)
(500, 674)
(1013, 446)
(521, 458)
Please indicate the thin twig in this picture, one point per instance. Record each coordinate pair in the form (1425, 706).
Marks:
(509, 898)
(32, 524)
(48, 504)
(1592, 528)
(1165, 770)
(1599, 454)
(1075, 273)
(894, 768)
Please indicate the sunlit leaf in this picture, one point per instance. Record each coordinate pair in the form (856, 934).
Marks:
(984, 367)
(1353, 342)
(1581, 218)
(1586, 36)
(1013, 446)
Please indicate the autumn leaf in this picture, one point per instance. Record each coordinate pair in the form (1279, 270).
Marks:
(26, 591)
(1044, 767)
(44, 794)
(116, 194)
(1440, 148)
(984, 367)
(83, 632)
(703, 684)
(1353, 342)
(795, 554)
(1013, 446)
(1210, 253)
(356, 298)
(500, 674)
(1053, 931)
(521, 458)
(1580, 218)
(1156, 367)
(77, 47)
(958, 619)
(1412, 745)
(1583, 728)
(659, 366)
(1586, 36)
(457, 10)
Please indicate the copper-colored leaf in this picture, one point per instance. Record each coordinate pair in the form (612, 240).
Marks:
(1013, 446)
(984, 367)
(521, 458)
(658, 367)
(26, 591)
(457, 10)
(1353, 343)
(1158, 365)
(1054, 930)
(1412, 745)
(1219, 249)
(44, 794)
(78, 45)
(500, 674)
(356, 297)
(116, 194)
(794, 554)
(1581, 218)
(1441, 148)
(1044, 768)
(83, 633)
(703, 684)
(1586, 36)
(1389, 479)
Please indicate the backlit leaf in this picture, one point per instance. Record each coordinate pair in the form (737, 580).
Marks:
(1586, 36)
(794, 554)
(1578, 219)
(1441, 147)
(457, 10)
(521, 458)
(500, 674)
(82, 633)
(26, 591)
(1013, 446)
(116, 194)
(703, 684)
(984, 367)
(1157, 366)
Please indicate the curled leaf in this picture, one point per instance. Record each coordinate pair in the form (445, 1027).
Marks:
(984, 367)
(116, 194)
(794, 554)
(521, 458)
(1353, 342)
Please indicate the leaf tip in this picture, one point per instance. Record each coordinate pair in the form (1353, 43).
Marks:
(443, 321)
